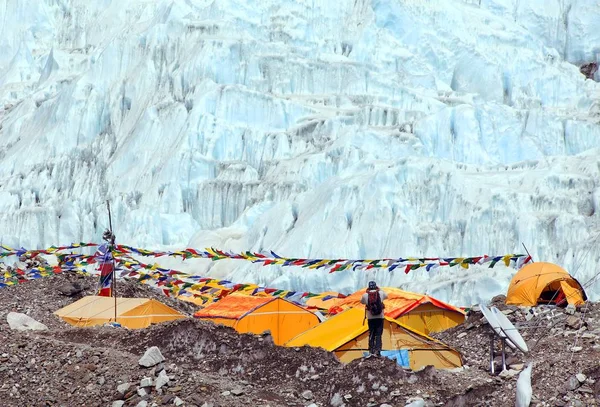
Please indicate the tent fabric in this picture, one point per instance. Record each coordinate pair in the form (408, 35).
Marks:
(245, 314)
(133, 313)
(528, 284)
(347, 336)
(418, 311)
(330, 299)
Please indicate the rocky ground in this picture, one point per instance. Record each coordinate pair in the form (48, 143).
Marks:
(207, 365)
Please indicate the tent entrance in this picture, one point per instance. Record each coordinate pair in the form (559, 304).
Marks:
(553, 294)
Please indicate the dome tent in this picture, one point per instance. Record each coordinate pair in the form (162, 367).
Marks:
(544, 283)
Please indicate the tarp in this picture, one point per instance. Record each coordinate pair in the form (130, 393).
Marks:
(283, 319)
(132, 313)
(529, 285)
(347, 336)
(418, 311)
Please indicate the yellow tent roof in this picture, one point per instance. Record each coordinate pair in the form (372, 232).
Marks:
(131, 312)
(259, 314)
(528, 285)
(346, 334)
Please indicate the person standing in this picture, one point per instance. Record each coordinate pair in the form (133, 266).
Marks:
(374, 312)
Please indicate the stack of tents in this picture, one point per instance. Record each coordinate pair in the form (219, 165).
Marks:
(409, 319)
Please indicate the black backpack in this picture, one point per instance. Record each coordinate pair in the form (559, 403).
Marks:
(374, 303)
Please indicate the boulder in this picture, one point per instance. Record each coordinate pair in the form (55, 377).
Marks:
(22, 322)
(70, 289)
(573, 383)
(307, 395)
(118, 403)
(574, 323)
(415, 402)
(152, 357)
(581, 377)
(508, 373)
(146, 382)
(161, 380)
(177, 401)
(122, 388)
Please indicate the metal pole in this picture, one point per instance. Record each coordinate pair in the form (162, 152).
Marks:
(110, 247)
(492, 353)
(503, 354)
(527, 252)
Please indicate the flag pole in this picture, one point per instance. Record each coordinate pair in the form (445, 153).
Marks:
(527, 252)
(111, 247)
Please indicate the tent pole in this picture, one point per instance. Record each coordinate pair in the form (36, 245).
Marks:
(110, 247)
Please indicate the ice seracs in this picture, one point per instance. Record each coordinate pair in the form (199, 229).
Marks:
(355, 129)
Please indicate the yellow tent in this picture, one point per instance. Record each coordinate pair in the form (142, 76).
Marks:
(132, 313)
(347, 337)
(248, 314)
(418, 311)
(544, 283)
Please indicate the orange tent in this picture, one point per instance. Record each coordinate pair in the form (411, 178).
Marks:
(544, 283)
(247, 314)
(417, 311)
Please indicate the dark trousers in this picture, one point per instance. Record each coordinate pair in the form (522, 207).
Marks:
(375, 332)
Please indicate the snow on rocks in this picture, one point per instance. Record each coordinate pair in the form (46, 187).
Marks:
(151, 357)
(22, 322)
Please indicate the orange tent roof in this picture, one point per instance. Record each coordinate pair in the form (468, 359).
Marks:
(398, 302)
(233, 307)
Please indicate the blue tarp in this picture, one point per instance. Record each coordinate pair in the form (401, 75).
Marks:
(401, 356)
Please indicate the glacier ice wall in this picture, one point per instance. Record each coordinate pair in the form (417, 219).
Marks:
(362, 129)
